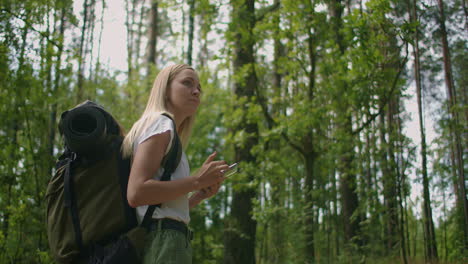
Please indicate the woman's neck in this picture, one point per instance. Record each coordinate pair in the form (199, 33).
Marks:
(179, 116)
(178, 119)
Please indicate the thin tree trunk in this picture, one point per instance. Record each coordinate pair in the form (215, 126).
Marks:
(415, 238)
(129, 22)
(12, 133)
(348, 186)
(8, 179)
(335, 213)
(452, 103)
(265, 247)
(378, 215)
(277, 251)
(367, 186)
(53, 113)
(401, 167)
(408, 237)
(203, 53)
(309, 154)
(90, 41)
(392, 123)
(143, 15)
(402, 223)
(18, 103)
(97, 69)
(190, 33)
(309, 222)
(430, 241)
(152, 43)
(465, 10)
(81, 92)
(328, 225)
(388, 186)
(445, 226)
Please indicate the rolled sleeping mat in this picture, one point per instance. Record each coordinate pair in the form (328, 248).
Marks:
(84, 129)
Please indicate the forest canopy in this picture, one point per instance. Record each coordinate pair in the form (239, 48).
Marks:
(348, 119)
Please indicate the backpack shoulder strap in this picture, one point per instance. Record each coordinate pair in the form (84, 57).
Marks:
(169, 163)
(124, 174)
(172, 159)
(70, 202)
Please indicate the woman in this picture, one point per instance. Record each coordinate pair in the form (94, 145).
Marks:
(176, 91)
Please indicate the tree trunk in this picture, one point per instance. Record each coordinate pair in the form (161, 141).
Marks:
(444, 199)
(190, 33)
(462, 203)
(152, 42)
(12, 131)
(53, 112)
(8, 179)
(349, 198)
(401, 167)
(336, 216)
(388, 179)
(97, 69)
(335, 9)
(81, 92)
(430, 241)
(276, 229)
(143, 15)
(309, 153)
(206, 17)
(240, 235)
(309, 223)
(465, 10)
(130, 7)
(90, 41)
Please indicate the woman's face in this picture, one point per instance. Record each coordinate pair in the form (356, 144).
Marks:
(184, 93)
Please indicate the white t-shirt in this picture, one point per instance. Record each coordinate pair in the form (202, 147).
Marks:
(177, 209)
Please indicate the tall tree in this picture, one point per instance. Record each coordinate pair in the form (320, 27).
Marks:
(87, 6)
(240, 234)
(86, 31)
(462, 203)
(128, 26)
(389, 183)
(153, 36)
(305, 135)
(430, 242)
(56, 84)
(276, 247)
(401, 164)
(191, 31)
(348, 188)
(136, 15)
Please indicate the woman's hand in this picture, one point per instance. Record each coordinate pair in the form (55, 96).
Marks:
(211, 174)
(209, 177)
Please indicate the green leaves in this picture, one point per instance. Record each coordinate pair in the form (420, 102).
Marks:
(305, 95)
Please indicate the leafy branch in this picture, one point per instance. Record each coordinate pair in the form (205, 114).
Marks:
(386, 99)
(31, 26)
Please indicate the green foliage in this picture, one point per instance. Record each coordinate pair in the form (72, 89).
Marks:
(317, 99)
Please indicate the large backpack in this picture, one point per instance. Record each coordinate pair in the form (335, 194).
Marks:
(88, 216)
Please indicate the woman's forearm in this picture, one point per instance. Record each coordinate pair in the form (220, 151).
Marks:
(156, 192)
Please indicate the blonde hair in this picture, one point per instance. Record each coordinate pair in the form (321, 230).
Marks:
(157, 105)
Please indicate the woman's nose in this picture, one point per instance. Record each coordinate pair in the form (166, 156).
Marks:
(196, 92)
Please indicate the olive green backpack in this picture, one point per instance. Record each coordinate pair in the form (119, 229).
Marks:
(88, 216)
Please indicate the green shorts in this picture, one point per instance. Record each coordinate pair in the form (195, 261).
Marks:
(167, 246)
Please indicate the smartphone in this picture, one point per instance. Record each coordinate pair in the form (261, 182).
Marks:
(231, 170)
